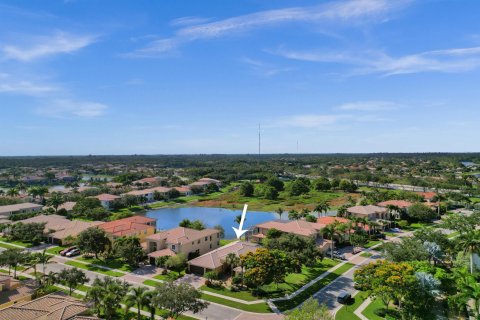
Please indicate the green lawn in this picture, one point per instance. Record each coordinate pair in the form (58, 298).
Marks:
(18, 243)
(8, 246)
(295, 281)
(93, 268)
(285, 305)
(346, 312)
(151, 283)
(257, 307)
(366, 254)
(372, 243)
(56, 250)
(224, 242)
(369, 310)
(242, 295)
(170, 276)
(110, 263)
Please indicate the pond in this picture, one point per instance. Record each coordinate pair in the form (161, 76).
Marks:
(168, 218)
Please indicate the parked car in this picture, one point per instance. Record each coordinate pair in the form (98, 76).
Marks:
(380, 235)
(395, 230)
(65, 251)
(339, 256)
(73, 253)
(344, 297)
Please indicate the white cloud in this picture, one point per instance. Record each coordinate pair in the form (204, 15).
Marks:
(65, 108)
(10, 85)
(453, 60)
(337, 11)
(307, 120)
(368, 106)
(186, 21)
(44, 46)
(263, 68)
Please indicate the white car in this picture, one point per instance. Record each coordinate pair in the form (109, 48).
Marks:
(73, 253)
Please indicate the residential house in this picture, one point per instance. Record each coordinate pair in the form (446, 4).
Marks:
(146, 194)
(55, 306)
(300, 228)
(137, 226)
(184, 190)
(14, 291)
(370, 212)
(106, 199)
(210, 180)
(7, 210)
(59, 230)
(428, 196)
(215, 260)
(402, 205)
(68, 206)
(188, 241)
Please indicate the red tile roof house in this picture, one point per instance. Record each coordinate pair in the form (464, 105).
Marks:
(147, 194)
(401, 204)
(191, 242)
(370, 212)
(428, 196)
(106, 199)
(184, 190)
(215, 260)
(299, 227)
(138, 226)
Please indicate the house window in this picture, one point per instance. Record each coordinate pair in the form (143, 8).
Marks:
(210, 246)
(210, 238)
(206, 238)
(193, 242)
(218, 235)
(173, 247)
(198, 241)
(218, 243)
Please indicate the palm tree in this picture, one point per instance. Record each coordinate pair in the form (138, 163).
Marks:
(322, 207)
(293, 215)
(33, 192)
(12, 192)
(342, 211)
(31, 262)
(470, 242)
(330, 231)
(305, 212)
(342, 229)
(138, 296)
(149, 303)
(56, 200)
(279, 211)
(44, 258)
(232, 260)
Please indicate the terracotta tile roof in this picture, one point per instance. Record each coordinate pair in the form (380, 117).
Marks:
(19, 206)
(160, 189)
(329, 220)
(299, 227)
(106, 197)
(126, 226)
(183, 189)
(139, 192)
(427, 195)
(56, 306)
(26, 288)
(399, 203)
(366, 210)
(74, 228)
(182, 235)
(216, 258)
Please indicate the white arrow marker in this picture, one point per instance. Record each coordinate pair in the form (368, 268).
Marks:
(239, 232)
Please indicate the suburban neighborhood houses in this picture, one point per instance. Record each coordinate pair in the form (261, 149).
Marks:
(311, 246)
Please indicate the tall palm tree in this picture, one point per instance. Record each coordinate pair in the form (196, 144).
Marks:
(149, 303)
(138, 296)
(342, 211)
(322, 207)
(330, 231)
(342, 229)
(470, 242)
(232, 261)
(279, 211)
(44, 258)
(305, 212)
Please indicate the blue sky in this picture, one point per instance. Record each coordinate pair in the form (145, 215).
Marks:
(163, 77)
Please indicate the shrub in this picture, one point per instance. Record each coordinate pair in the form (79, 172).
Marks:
(236, 279)
(403, 223)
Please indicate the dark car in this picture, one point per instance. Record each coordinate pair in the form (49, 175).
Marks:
(65, 251)
(344, 297)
